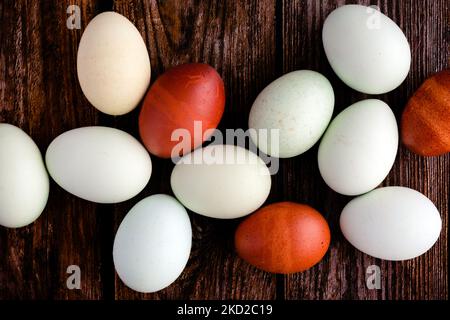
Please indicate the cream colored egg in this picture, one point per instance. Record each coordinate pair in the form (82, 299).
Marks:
(113, 64)
(221, 181)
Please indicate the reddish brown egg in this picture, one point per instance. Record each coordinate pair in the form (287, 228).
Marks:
(181, 96)
(426, 120)
(283, 237)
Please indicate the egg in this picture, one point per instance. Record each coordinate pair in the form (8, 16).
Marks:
(283, 237)
(153, 243)
(366, 49)
(425, 125)
(359, 147)
(24, 183)
(391, 223)
(221, 181)
(182, 104)
(113, 64)
(300, 105)
(99, 164)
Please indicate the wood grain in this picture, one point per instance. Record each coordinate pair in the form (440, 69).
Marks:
(250, 43)
(342, 274)
(40, 94)
(222, 35)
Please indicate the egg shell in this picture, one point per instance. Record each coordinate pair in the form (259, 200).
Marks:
(366, 49)
(221, 181)
(391, 223)
(24, 183)
(153, 243)
(359, 147)
(179, 97)
(300, 104)
(113, 64)
(99, 164)
(283, 237)
(426, 118)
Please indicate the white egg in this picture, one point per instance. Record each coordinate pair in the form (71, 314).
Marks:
(152, 244)
(24, 183)
(366, 49)
(300, 105)
(113, 64)
(221, 181)
(99, 164)
(391, 223)
(359, 147)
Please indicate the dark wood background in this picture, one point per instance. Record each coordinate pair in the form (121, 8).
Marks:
(250, 43)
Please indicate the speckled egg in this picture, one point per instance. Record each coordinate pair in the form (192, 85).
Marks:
(299, 105)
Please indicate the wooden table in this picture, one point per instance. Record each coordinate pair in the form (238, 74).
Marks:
(250, 43)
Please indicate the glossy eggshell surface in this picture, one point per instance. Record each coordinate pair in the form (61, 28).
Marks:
(283, 237)
(425, 127)
(181, 95)
(113, 64)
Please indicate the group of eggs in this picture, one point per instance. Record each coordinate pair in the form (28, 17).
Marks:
(153, 242)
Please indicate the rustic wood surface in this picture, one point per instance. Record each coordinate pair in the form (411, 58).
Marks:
(250, 43)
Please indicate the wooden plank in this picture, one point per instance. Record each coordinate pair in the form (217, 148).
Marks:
(238, 39)
(250, 43)
(39, 92)
(341, 275)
